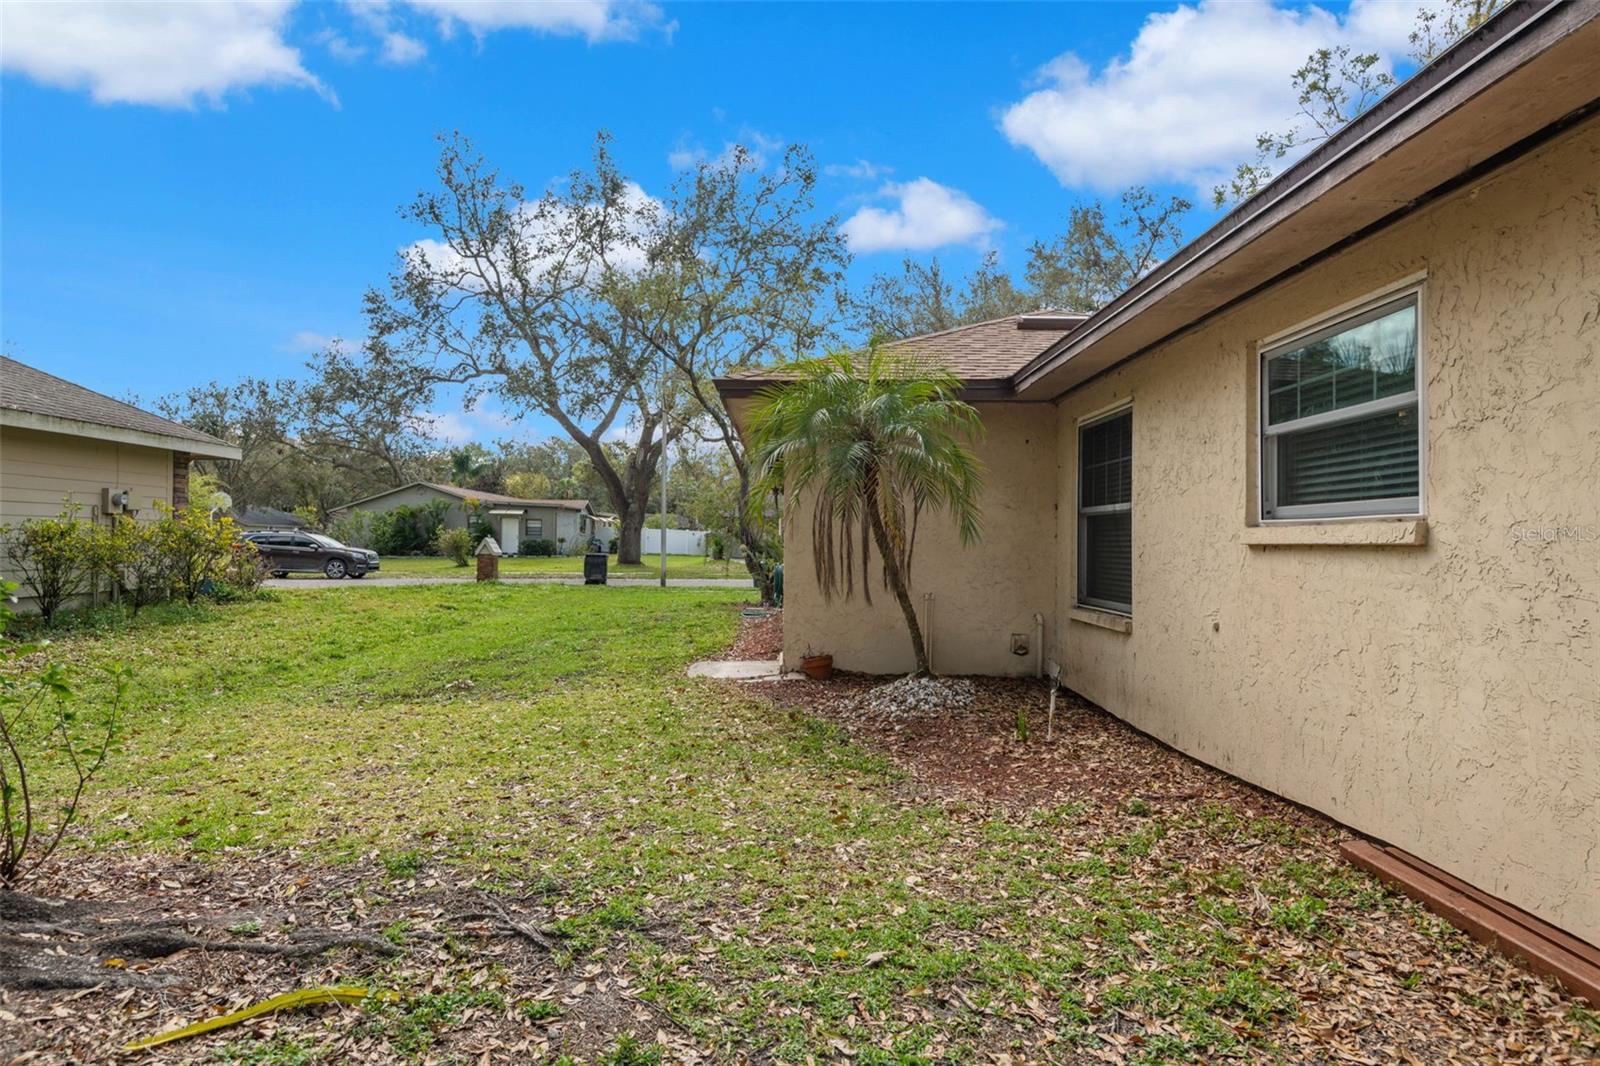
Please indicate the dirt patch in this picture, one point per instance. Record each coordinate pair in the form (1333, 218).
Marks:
(1376, 983)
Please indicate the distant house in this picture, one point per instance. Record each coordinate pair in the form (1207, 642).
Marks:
(258, 518)
(61, 442)
(516, 522)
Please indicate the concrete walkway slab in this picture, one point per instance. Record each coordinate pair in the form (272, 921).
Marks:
(739, 669)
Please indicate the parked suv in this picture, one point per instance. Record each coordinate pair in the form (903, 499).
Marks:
(310, 553)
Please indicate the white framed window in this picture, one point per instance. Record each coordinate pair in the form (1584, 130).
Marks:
(1341, 429)
(533, 528)
(1105, 512)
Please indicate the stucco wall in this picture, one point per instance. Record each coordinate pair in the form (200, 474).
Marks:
(982, 594)
(1445, 697)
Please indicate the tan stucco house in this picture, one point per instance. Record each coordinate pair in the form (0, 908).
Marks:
(1317, 501)
(60, 441)
(568, 523)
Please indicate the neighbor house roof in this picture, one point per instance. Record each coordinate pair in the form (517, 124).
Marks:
(981, 353)
(268, 516)
(1522, 77)
(33, 399)
(493, 499)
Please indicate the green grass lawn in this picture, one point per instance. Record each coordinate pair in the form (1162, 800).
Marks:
(678, 566)
(780, 891)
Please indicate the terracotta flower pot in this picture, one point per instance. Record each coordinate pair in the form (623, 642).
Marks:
(817, 667)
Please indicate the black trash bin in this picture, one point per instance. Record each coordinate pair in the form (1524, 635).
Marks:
(594, 568)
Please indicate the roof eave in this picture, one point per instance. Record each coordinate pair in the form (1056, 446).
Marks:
(72, 427)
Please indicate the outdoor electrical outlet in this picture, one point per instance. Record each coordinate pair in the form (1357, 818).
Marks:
(1019, 644)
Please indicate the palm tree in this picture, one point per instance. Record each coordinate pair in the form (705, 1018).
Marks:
(465, 465)
(874, 438)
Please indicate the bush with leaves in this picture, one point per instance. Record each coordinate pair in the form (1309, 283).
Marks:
(243, 574)
(353, 528)
(406, 530)
(198, 548)
(455, 543)
(539, 547)
(56, 558)
(139, 563)
(49, 752)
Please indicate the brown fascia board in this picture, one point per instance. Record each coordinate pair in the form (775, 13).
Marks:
(973, 390)
(1524, 71)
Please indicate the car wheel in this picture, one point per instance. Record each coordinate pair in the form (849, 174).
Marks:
(280, 573)
(335, 569)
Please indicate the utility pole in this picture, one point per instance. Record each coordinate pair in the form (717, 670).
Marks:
(666, 468)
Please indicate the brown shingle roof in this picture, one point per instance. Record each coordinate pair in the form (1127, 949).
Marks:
(22, 388)
(988, 351)
(494, 497)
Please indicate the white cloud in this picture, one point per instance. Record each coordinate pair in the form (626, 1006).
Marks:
(639, 209)
(339, 46)
(594, 20)
(757, 145)
(394, 46)
(308, 341)
(451, 427)
(860, 170)
(170, 55)
(1194, 90)
(929, 215)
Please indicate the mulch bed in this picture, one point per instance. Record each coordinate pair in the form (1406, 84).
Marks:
(1406, 990)
(760, 637)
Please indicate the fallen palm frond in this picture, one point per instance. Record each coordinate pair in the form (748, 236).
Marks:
(304, 997)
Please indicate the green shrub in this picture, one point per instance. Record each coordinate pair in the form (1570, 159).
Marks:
(56, 558)
(138, 562)
(242, 574)
(406, 530)
(51, 747)
(455, 543)
(198, 548)
(353, 528)
(539, 547)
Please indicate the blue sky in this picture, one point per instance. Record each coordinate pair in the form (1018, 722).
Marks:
(198, 191)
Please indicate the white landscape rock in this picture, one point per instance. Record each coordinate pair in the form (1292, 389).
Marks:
(917, 697)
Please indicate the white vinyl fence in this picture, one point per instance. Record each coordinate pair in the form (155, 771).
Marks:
(679, 542)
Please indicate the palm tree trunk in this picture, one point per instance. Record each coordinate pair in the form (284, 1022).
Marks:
(897, 580)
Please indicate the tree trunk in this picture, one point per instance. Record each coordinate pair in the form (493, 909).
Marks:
(630, 527)
(897, 580)
(759, 558)
(761, 574)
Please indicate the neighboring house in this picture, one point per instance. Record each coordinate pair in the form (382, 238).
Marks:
(567, 523)
(268, 518)
(1317, 501)
(61, 442)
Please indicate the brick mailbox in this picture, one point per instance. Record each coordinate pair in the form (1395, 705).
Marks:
(488, 560)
